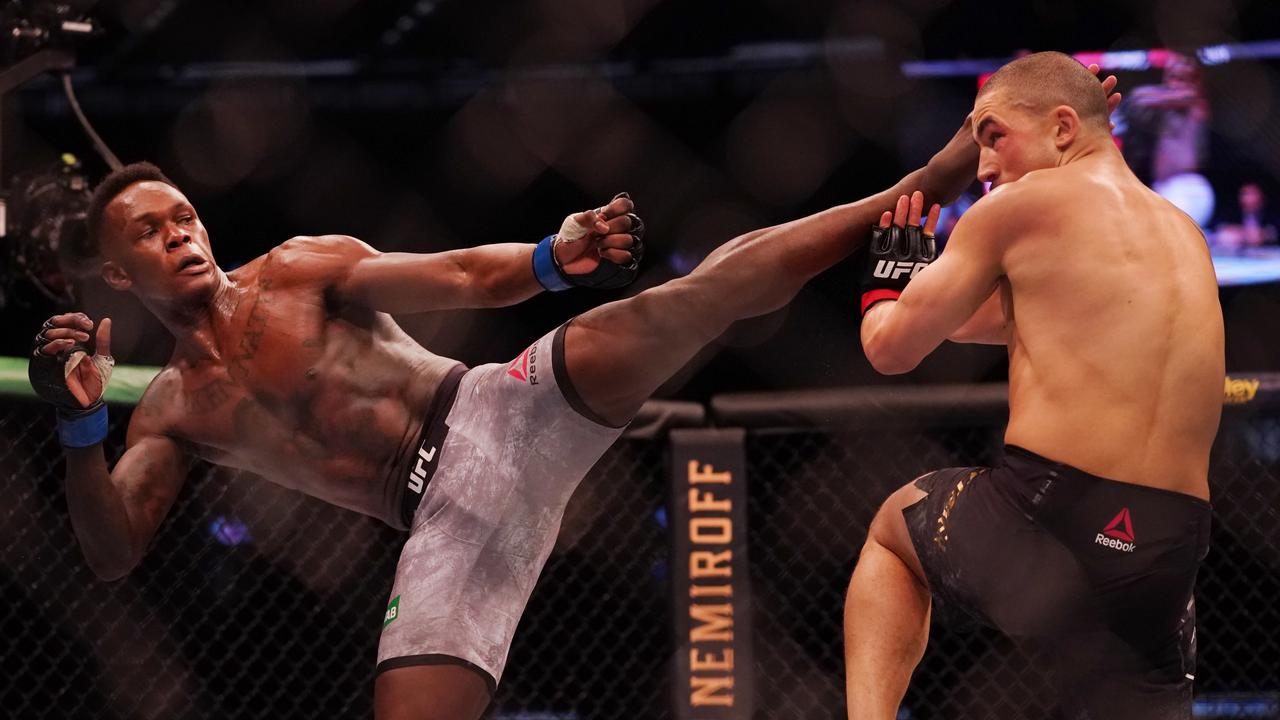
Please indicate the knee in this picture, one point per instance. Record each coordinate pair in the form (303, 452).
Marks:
(669, 305)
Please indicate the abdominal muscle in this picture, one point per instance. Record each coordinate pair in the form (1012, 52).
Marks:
(335, 430)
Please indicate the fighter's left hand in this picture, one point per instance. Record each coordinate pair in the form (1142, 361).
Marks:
(1108, 86)
(601, 247)
(896, 253)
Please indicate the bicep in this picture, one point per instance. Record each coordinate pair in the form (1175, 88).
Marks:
(409, 282)
(148, 477)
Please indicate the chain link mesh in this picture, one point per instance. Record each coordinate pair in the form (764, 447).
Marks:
(260, 602)
(813, 496)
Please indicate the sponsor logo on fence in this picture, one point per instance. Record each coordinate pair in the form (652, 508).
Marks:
(1237, 391)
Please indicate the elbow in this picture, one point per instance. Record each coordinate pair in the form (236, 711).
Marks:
(963, 335)
(110, 569)
(493, 294)
(886, 359)
(110, 573)
(892, 365)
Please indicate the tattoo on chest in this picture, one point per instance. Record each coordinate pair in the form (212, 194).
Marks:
(255, 327)
(210, 396)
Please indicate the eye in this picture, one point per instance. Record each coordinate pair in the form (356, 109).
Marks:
(186, 219)
(148, 232)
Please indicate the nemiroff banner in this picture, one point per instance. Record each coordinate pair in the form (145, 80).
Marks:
(709, 580)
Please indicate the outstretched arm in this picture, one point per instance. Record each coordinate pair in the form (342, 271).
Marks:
(485, 276)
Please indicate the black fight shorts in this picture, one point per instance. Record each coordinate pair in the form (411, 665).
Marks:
(1097, 572)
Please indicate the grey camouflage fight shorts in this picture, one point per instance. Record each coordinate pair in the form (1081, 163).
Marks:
(517, 442)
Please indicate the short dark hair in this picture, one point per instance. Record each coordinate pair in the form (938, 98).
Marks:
(109, 189)
(1045, 80)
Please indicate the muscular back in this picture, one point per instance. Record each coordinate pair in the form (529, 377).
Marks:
(1116, 338)
(307, 391)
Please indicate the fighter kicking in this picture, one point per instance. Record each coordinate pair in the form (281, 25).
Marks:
(290, 367)
(1088, 536)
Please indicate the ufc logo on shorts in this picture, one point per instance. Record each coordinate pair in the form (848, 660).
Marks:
(418, 476)
(896, 269)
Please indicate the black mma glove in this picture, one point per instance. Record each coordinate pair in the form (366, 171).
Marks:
(607, 275)
(893, 257)
(78, 426)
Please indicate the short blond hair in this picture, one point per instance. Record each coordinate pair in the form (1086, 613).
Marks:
(1045, 80)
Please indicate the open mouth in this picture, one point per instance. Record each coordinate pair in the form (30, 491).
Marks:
(191, 265)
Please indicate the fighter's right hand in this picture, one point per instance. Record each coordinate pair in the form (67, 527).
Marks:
(57, 369)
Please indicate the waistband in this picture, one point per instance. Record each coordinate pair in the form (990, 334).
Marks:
(422, 463)
(1063, 470)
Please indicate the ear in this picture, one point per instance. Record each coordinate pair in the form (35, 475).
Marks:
(115, 276)
(1066, 126)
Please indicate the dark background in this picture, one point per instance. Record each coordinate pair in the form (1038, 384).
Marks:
(433, 125)
(474, 123)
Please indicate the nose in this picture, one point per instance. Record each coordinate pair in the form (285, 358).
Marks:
(988, 169)
(177, 238)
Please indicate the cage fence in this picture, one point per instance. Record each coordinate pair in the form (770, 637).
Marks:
(255, 601)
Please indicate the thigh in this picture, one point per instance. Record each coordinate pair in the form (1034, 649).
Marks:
(488, 519)
(983, 558)
(618, 354)
(431, 692)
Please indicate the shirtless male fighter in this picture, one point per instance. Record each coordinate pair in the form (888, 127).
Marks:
(1086, 538)
(291, 367)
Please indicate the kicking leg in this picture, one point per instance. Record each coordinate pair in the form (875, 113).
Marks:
(618, 354)
(886, 614)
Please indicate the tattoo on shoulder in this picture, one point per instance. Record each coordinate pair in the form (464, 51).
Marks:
(160, 394)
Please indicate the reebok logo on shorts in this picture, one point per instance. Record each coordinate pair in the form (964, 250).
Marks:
(525, 367)
(1118, 534)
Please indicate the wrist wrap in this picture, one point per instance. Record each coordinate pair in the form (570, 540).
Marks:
(84, 429)
(545, 269)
